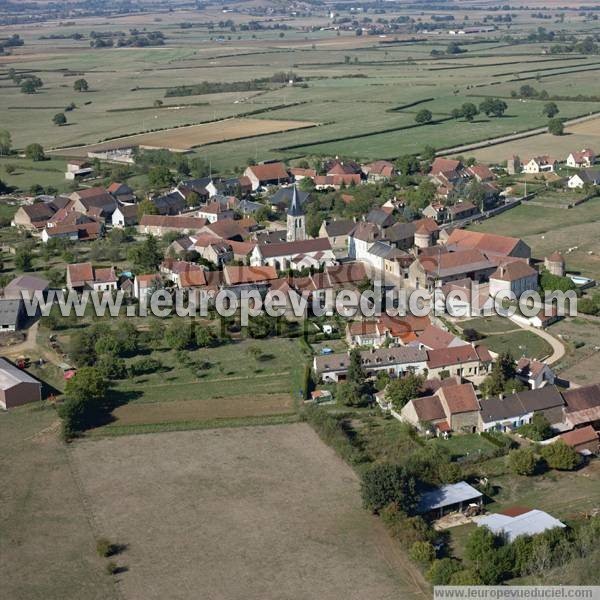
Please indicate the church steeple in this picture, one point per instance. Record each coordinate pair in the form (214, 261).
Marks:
(296, 221)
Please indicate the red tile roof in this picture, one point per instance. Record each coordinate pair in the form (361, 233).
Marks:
(239, 275)
(460, 398)
(446, 357)
(485, 242)
(269, 171)
(580, 436)
(444, 165)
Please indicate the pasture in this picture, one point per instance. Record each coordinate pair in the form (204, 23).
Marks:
(248, 513)
(364, 91)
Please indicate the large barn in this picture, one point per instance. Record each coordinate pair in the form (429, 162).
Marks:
(17, 387)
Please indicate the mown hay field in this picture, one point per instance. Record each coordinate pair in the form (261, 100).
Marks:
(183, 139)
(246, 513)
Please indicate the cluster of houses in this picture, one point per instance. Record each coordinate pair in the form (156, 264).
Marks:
(582, 160)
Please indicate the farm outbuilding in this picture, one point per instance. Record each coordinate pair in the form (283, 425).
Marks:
(17, 387)
(448, 498)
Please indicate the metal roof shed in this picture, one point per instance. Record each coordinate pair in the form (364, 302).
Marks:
(529, 523)
(448, 498)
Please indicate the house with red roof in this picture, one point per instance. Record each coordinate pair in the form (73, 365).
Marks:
(488, 243)
(582, 159)
(514, 276)
(266, 174)
(460, 361)
(81, 276)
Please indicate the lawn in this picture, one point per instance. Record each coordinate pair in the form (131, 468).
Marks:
(491, 324)
(250, 513)
(47, 541)
(519, 343)
(467, 445)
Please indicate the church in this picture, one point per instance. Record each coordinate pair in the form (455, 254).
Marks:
(298, 252)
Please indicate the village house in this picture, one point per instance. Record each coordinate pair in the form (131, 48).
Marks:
(86, 201)
(361, 238)
(583, 440)
(299, 174)
(459, 361)
(230, 229)
(506, 413)
(434, 338)
(78, 168)
(445, 169)
(145, 285)
(461, 210)
(36, 216)
(583, 178)
(376, 333)
(436, 211)
(158, 225)
(394, 361)
(582, 159)
(534, 374)
(74, 228)
(81, 276)
(266, 174)
(336, 182)
(215, 211)
(172, 203)
(488, 243)
(337, 167)
(466, 298)
(218, 252)
(182, 273)
(514, 276)
(17, 387)
(440, 268)
(380, 170)
(281, 255)
(540, 164)
(337, 232)
(582, 406)
(481, 173)
(125, 215)
(121, 192)
(234, 275)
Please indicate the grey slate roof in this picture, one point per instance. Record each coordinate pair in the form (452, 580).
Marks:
(339, 227)
(11, 312)
(379, 357)
(283, 196)
(521, 403)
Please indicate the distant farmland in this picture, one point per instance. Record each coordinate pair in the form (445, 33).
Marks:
(183, 139)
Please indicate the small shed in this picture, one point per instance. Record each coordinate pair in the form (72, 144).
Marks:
(453, 497)
(12, 314)
(528, 523)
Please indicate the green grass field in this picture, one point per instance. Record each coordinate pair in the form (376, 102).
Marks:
(350, 84)
(519, 343)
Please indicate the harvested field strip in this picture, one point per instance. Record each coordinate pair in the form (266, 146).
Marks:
(203, 410)
(185, 138)
(143, 428)
(586, 67)
(503, 64)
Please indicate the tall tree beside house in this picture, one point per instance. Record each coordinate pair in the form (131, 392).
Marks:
(402, 390)
(146, 207)
(384, 484)
(23, 260)
(355, 390)
(160, 176)
(556, 126)
(192, 199)
(502, 379)
(81, 85)
(560, 455)
(146, 256)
